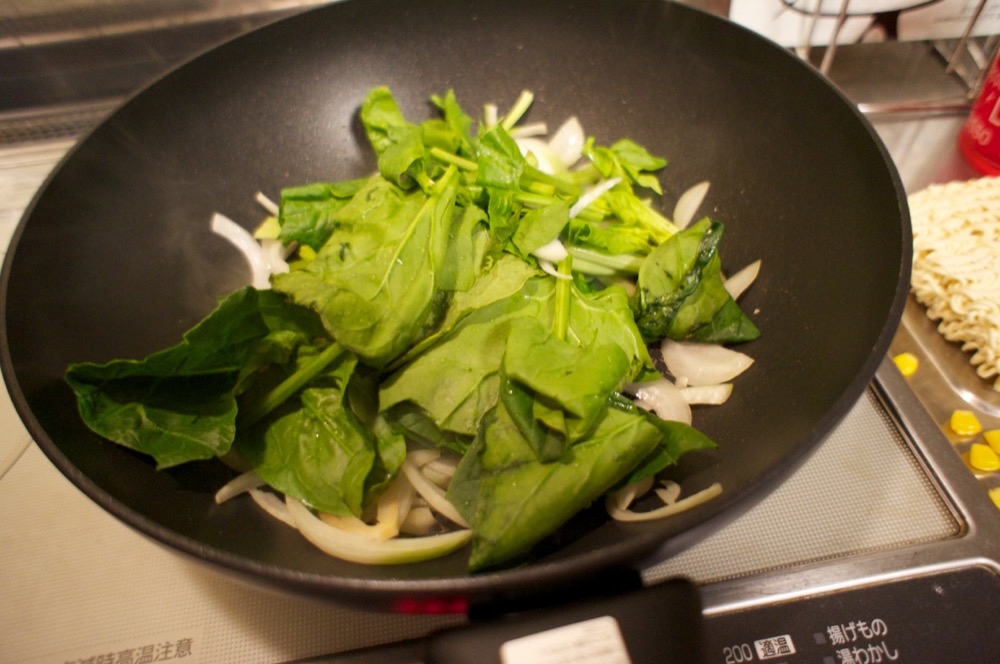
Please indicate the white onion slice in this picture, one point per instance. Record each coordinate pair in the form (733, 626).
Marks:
(267, 204)
(664, 398)
(360, 549)
(592, 195)
(548, 161)
(625, 496)
(394, 504)
(739, 282)
(693, 500)
(433, 494)
(553, 252)
(241, 238)
(274, 255)
(273, 505)
(439, 471)
(550, 269)
(239, 484)
(491, 115)
(419, 521)
(354, 525)
(669, 492)
(703, 364)
(568, 141)
(422, 456)
(688, 204)
(707, 395)
(529, 130)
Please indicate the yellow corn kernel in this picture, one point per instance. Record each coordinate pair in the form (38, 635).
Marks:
(981, 457)
(995, 495)
(965, 423)
(907, 363)
(992, 438)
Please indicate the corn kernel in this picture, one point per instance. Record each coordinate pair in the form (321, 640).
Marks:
(995, 496)
(992, 438)
(965, 423)
(981, 457)
(907, 363)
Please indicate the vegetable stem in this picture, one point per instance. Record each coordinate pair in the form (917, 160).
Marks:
(598, 263)
(519, 108)
(452, 158)
(560, 317)
(288, 387)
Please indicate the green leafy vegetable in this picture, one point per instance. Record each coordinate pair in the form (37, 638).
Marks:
(179, 404)
(680, 292)
(417, 314)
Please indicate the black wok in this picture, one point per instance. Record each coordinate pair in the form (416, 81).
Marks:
(115, 257)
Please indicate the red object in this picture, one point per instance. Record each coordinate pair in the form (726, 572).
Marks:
(979, 139)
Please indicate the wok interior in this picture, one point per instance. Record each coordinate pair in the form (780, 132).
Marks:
(116, 258)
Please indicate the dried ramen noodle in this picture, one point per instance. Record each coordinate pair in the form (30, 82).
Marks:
(956, 266)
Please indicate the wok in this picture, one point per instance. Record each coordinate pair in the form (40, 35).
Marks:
(115, 258)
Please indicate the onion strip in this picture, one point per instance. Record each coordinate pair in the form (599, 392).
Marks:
(241, 238)
(433, 494)
(688, 204)
(240, 484)
(273, 505)
(693, 500)
(360, 549)
(592, 195)
(739, 282)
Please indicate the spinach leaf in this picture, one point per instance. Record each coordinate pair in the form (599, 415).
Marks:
(514, 500)
(375, 282)
(398, 143)
(307, 214)
(457, 120)
(677, 439)
(555, 391)
(539, 226)
(179, 404)
(317, 450)
(680, 290)
(462, 365)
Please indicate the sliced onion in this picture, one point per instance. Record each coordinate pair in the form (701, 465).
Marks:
(422, 456)
(395, 502)
(703, 364)
(664, 399)
(274, 255)
(553, 252)
(693, 500)
(267, 204)
(529, 130)
(739, 282)
(360, 549)
(419, 521)
(491, 115)
(625, 496)
(592, 195)
(669, 492)
(433, 494)
(707, 395)
(688, 204)
(239, 484)
(244, 241)
(273, 505)
(354, 525)
(548, 161)
(550, 269)
(439, 471)
(568, 141)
